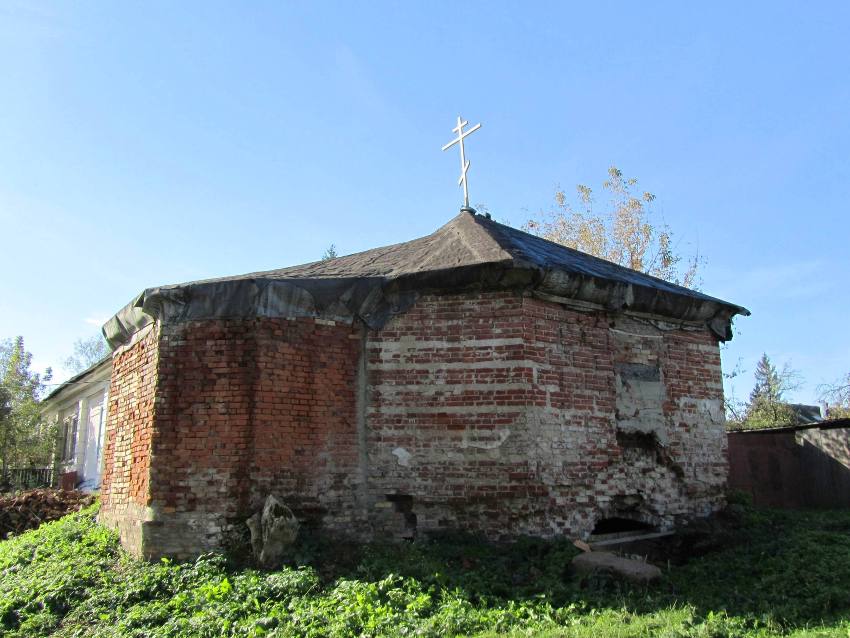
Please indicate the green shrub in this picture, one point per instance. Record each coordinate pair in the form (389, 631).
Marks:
(786, 576)
(45, 573)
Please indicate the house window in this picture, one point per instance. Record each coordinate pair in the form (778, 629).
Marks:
(69, 437)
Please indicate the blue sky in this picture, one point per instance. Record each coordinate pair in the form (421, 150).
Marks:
(152, 143)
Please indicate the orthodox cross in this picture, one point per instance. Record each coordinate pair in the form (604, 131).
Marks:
(464, 163)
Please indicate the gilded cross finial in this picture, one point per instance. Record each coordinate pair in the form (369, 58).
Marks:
(464, 163)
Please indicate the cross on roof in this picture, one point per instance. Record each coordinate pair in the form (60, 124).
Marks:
(464, 163)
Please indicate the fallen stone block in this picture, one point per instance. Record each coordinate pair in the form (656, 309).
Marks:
(633, 570)
(582, 545)
(272, 532)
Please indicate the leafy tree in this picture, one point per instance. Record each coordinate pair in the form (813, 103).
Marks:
(22, 437)
(5, 407)
(330, 253)
(767, 406)
(838, 412)
(734, 407)
(624, 233)
(838, 395)
(87, 352)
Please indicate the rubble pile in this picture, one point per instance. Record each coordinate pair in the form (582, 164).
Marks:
(27, 510)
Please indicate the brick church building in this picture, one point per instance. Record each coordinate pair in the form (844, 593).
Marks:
(479, 379)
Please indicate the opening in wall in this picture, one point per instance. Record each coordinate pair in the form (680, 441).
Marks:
(620, 525)
(69, 438)
(403, 505)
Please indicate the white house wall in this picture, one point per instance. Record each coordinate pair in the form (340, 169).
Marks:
(81, 394)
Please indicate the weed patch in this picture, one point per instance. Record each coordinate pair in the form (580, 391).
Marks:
(787, 574)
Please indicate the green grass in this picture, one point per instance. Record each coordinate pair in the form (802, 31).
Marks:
(789, 574)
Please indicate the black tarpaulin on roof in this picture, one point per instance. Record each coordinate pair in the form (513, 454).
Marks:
(469, 253)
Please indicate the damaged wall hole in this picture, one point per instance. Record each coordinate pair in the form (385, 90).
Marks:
(626, 517)
(617, 525)
(648, 443)
(403, 504)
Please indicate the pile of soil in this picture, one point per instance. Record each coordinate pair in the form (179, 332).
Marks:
(27, 510)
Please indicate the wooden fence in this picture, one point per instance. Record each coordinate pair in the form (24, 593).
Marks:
(793, 467)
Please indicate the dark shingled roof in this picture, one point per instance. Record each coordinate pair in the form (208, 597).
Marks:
(471, 252)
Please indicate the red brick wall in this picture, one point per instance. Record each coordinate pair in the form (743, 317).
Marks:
(572, 414)
(496, 413)
(128, 435)
(448, 381)
(504, 415)
(695, 411)
(246, 408)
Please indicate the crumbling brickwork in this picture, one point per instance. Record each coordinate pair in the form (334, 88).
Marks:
(509, 415)
(497, 413)
(129, 431)
(448, 431)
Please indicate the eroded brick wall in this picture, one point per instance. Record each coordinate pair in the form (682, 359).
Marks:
(449, 442)
(508, 415)
(496, 413)
(695, 413)
(629, 420)
(128, 436)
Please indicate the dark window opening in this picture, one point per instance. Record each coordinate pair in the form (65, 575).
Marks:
(618, 525)
(69, 438)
